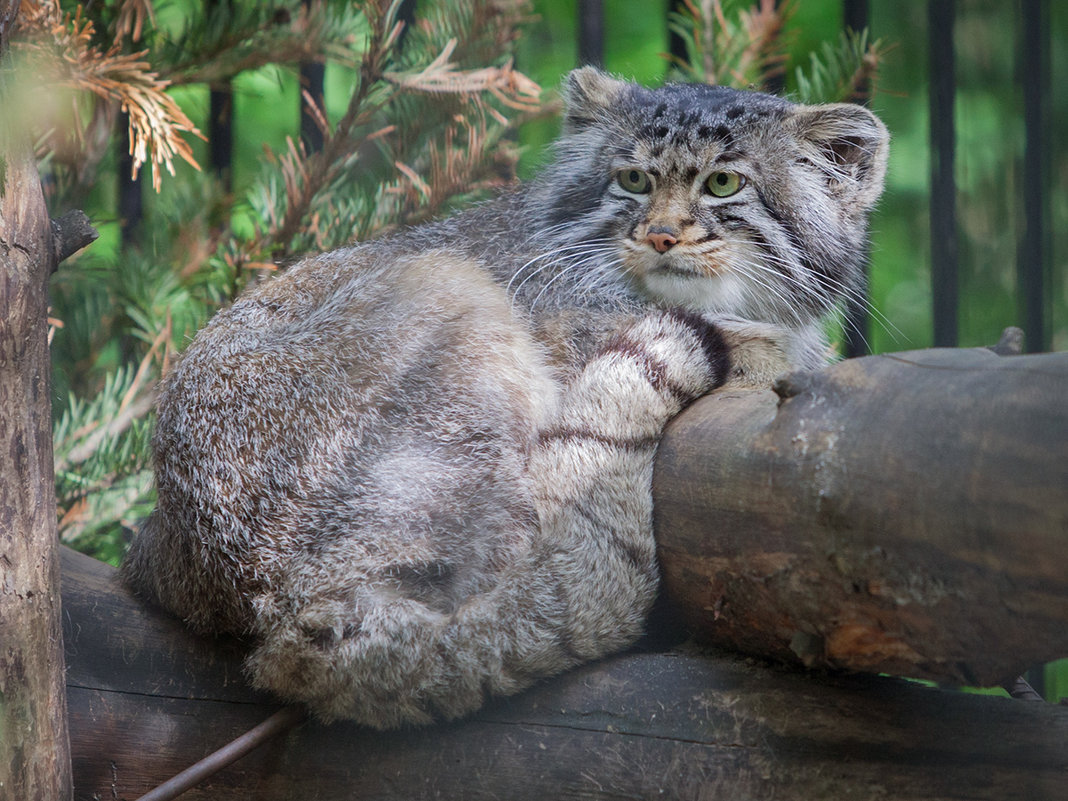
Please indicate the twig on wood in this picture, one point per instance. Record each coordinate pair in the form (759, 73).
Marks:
(1011, 342)
(71, 233)
(1022, 690)
(281, 721)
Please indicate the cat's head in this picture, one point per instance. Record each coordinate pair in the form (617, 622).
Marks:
(719, 199)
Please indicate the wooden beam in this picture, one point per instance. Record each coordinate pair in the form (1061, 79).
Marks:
(904, 514)
(147, 699)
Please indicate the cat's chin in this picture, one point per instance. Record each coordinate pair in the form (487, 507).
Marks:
(721, 292)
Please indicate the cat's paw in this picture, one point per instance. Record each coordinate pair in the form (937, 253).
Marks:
(759, 352)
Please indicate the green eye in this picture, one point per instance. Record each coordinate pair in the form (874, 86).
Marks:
(634, 181)
(724, 184)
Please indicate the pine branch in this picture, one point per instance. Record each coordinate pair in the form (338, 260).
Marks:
(455, 166)
(762, 59)
(511, 88)
(130, 19)
(60, 53)
(431, 104)
(842, 71)
(731, 45)
(221, 40)
(307, 174)
(425, 125)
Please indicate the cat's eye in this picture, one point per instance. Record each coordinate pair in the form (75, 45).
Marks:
(635, 181)
(724, 184)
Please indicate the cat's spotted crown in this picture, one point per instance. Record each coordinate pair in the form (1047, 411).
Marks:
(675, 114)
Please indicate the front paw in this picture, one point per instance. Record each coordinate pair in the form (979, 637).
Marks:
(760, 352)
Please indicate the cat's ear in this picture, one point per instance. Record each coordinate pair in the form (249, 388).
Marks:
(588, 95)
(848, 144)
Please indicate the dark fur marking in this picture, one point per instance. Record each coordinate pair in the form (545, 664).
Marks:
(653, 369)
(716, 351)
(788, 227)
(326, 638)
(732, 154)
(643, 563)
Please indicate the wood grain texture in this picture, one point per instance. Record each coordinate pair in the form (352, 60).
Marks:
(148, 699)
(34, 755)
(905, 514)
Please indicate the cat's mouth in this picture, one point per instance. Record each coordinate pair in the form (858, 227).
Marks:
(681, 263)
(684, 268)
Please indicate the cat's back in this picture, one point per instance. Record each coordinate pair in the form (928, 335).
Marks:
(308, 406)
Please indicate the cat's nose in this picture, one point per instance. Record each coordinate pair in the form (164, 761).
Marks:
(663, 239)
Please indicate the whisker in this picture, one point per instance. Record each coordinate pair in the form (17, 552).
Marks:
(841, 291)
(594, 259)
(553, 257)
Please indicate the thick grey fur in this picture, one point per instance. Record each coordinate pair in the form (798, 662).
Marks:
(416, 472)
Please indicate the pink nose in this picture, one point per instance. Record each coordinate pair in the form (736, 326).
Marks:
(661, 238)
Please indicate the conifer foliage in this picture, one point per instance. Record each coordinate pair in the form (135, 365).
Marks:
(425, 125)
(743, 44)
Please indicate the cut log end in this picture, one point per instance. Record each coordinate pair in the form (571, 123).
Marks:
(899, 514)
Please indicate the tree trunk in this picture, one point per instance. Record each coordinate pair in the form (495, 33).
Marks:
(34, 744)
(148, 698)
(903, 514)
(34, 750)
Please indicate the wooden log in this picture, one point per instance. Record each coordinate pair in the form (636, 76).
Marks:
(905, 513)
(34, 748)
(147, 699)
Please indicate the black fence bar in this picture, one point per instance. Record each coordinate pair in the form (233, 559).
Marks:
(221, 116)
(312, 80)
(1033, 254)
(941, 72)
(591, 33)
(676, 44)
(855, 14)
(221, 132)
(130, 201)
(406, 15)
(857, 322)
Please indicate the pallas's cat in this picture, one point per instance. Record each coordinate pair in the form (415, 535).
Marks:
(416, 473)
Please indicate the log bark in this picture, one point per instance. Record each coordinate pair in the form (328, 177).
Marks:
(148, 698)
(34, 750)
(904, 514)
